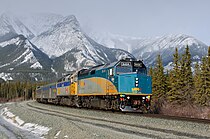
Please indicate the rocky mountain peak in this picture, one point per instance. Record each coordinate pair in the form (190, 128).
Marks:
(11, 25)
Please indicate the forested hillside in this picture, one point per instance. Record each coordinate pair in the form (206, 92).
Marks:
(17, 91)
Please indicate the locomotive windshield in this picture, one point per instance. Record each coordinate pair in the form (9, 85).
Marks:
(124, 67)
(139, 68)
(127, 67)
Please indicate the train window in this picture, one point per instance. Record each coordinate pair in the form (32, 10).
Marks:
(111, 72)
(92, 72)
(123, 70)
(83, 72)
(141, 71)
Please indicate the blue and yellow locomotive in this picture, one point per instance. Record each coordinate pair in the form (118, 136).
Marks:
(123, 85)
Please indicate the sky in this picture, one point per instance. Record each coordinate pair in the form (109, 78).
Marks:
(137, 18)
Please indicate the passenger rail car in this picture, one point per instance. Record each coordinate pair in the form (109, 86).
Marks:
(123, 85)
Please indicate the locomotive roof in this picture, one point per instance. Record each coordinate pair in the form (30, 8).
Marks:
(109, 65)
(105, 66)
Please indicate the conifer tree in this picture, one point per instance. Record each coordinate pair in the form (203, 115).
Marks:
(186, 81)
(203, 88)
(174, 94)
(198, 82)
(202, 96)
(159, 81)
(208, 76)
(197, 76)
(209, 55)
(151, 71)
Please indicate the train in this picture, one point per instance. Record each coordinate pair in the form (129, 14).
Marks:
(123, 85)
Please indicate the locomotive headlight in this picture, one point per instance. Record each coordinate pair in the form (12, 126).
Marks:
(136, 82)
(128, 97)
(143, 97)
(112, 79)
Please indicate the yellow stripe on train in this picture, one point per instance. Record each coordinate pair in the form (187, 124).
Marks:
(96, 86)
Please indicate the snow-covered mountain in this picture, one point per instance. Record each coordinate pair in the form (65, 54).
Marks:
(165, 46)
(11, 25)
(116, 41)
(62, 40)
(40, 22)
(73, 48)
(19, 56)
(85, 56)
(61, 37)
(148, 48)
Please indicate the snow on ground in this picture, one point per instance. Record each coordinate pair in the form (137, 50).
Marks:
(6, 76)
(31, 127)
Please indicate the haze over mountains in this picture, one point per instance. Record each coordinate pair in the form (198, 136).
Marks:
(49, 43)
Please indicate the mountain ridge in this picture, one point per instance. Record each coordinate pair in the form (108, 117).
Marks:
(69, 49)
(148, 48)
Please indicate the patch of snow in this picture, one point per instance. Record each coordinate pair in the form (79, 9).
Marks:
(29, 58)
(22, 55)
(7, 113)
(36, 65)
(196, 57)
(6, 76)
(68, 66)
(80, 59)
(4, 65)
(36, 129)
(66, 136)
(31, 127)
(53, 70)
(19, 121)
(105, 55)
(12, 41)
(168, 67)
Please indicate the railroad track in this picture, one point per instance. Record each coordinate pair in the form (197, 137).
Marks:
(118, 126)
(160, 116)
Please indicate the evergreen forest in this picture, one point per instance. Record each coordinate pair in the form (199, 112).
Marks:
(181, 86)
(17, 91)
